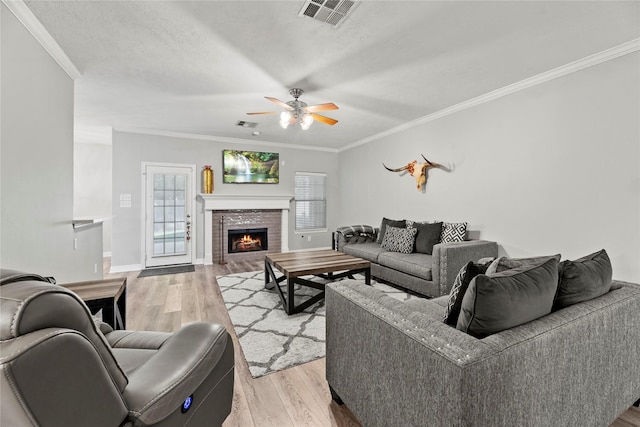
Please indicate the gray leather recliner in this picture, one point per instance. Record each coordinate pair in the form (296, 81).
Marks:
(60, 367)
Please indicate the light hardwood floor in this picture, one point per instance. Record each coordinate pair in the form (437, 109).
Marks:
(294, 397)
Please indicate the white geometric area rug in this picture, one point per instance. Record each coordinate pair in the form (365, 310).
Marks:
(270, 339)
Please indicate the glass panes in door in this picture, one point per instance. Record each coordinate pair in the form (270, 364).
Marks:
(169, 214)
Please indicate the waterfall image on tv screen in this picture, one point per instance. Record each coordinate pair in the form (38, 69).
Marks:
(250, 167)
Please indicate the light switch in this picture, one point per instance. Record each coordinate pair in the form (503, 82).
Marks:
(125, 197)
(125, 203)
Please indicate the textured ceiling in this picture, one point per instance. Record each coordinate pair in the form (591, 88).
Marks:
(198, 67)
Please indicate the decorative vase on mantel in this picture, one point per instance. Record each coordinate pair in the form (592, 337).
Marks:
(207, 180)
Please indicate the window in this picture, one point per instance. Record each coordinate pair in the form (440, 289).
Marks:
(311, 201)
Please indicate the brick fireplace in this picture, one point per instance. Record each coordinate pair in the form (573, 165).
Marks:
(244, 212)
(240, 221)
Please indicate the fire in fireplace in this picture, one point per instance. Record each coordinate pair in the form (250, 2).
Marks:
(247, 240)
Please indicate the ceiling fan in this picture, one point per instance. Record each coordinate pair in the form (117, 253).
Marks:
(298, 111)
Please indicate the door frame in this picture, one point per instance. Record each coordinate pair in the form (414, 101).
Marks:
(143, 208)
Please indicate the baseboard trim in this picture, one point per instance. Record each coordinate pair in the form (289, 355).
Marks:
(125, 268)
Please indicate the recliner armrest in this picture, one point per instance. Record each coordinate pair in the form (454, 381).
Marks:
(184, 361)
(449, 258)
(55, 377)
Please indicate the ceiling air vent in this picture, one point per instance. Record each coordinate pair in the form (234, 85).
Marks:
(331, 12)
(246, 124)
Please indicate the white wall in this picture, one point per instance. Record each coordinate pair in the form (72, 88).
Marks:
(554, 168)
(131, 149)
(36, 195)
(92, 186)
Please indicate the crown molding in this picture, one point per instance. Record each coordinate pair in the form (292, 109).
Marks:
(572, 67)
(31, 23)
(223, 139)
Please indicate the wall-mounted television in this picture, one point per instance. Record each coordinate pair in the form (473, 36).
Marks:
(250, 167)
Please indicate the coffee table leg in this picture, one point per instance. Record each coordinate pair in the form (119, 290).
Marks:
(269, 277)
(290, 298)
(367, 276)
(121, 310)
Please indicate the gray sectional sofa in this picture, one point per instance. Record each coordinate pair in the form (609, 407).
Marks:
(398, 363)
(431, 275)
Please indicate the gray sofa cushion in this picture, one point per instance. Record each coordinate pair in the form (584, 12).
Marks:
(368, 251)
(583, 279)
(414, 264)
(508, 299)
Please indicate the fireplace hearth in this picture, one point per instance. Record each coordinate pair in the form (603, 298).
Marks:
(247, 240)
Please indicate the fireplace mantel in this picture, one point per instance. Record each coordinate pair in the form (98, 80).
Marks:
(218, 202)
(223, 202)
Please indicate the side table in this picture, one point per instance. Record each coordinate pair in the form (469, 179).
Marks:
(108, 295)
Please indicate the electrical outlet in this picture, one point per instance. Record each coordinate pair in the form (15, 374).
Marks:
(95, 268)
(75, 244)
(308, 238)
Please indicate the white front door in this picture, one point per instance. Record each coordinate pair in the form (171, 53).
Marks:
(168, 214)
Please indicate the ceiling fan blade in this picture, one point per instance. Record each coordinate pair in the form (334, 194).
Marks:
(280, 103)
(323, 119)
(322, 107)
(262, 112)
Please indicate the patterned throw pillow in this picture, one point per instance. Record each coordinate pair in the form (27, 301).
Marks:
(399, 239)
(401, 223)
(459, 288)
(453, 232)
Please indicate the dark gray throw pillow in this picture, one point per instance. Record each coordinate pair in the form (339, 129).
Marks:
(401, 223)
(504, 263)
(508, 299)
(583, 279)
(428, 235)
(459, 288)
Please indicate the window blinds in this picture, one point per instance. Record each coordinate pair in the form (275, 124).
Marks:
(311, 203)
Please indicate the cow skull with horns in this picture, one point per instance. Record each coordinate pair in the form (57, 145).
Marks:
(416, 170)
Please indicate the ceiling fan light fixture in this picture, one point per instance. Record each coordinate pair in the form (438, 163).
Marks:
(285, 119)
(299, 112)
(306, 121)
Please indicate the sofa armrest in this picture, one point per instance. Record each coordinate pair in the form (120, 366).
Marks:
(342, 238)
(449, 258)
(388, 362)
(160, 386)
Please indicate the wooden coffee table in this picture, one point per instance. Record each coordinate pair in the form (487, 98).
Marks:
(322, 263)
